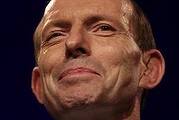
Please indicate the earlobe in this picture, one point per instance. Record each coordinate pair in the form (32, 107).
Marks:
(155, 68)
(36, 84)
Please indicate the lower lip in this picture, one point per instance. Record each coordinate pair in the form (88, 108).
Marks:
(79, 75)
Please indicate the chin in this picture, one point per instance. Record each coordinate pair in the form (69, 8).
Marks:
(79, 93)
(79, 97)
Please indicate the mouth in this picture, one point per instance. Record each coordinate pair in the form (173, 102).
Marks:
(78, 72)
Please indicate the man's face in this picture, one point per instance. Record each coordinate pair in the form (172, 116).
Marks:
(88, 55)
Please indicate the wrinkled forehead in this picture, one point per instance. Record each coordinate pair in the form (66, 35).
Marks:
(117, 6)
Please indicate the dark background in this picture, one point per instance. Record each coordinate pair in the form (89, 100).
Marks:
(18, 19)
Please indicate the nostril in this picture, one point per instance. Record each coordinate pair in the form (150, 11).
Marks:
(81, 50)
(76, 53)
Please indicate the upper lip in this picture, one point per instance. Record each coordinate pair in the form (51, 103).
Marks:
(76, 70)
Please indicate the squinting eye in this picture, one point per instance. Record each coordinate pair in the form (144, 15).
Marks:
(106, 28)
(53, 35)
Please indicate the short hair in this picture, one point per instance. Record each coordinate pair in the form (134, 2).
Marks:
(143, 37)
(142, 29)
(37, 41)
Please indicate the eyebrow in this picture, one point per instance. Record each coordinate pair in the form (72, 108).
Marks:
(91, 19)
(88, 20)
(58, 23)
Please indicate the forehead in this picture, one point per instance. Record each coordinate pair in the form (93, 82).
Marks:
(83, 6)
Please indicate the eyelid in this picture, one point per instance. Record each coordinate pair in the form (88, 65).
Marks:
(54, 33)
(98, 26)
(103, 32)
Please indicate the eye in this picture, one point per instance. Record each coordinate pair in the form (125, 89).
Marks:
(53, 35)
(56, 35)
(104, 30)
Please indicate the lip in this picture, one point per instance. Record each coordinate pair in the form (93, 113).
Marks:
(77, 71)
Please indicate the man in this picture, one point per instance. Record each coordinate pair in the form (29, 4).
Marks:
(95, 59)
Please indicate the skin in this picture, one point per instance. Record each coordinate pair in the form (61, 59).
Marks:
(89, 66)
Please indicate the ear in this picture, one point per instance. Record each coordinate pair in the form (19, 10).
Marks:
(36, 84)
(155, 67)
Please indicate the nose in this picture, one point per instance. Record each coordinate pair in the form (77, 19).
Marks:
(77, 44)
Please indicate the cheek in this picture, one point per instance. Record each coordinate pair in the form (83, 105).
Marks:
(117, 52)
(126, 85)
(121, 61)
(109, 55)
(49, 58)
(48, 61)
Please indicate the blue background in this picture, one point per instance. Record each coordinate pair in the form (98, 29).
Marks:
(18, 21)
